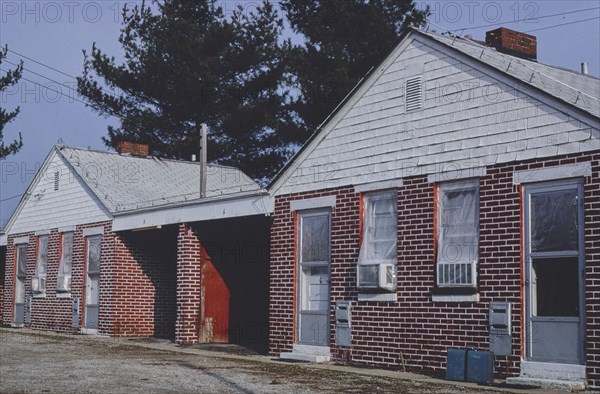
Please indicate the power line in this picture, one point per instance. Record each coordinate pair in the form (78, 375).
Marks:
(42, 64)
(63, 94)
(53, 69)
(43, 76)
(527, 19)
(49, 88)
(11, 198)
(563, 24)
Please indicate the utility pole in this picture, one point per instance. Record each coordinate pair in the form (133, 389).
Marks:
(203, 159)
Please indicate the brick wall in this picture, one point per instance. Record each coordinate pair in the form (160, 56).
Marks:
(2, 269)
(51, 312)
(414, 328)
(189, 274)
(137, 283)
(144, 283)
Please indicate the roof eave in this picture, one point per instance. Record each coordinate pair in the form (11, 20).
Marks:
(199, 201)
(238, 205)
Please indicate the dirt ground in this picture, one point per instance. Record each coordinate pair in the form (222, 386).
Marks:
(44, 363)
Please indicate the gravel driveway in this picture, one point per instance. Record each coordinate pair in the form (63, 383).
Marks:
(51, 363)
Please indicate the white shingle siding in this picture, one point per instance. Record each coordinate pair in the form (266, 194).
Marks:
(46, 208)
(490, 122)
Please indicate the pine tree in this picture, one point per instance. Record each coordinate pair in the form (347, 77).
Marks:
(344, 39)
(187, 63)
(9, 79)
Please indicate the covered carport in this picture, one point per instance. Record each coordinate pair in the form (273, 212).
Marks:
(200, 268)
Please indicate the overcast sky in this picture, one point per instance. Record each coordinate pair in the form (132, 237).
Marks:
(54, 33)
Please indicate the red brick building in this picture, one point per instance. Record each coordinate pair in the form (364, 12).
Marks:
(452, 201)
(123, 244)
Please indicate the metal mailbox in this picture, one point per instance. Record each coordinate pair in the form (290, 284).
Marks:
(28, 303)
(343, 334)
(500, 328)
(75, 312)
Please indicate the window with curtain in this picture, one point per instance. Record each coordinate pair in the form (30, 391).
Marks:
(458, 233)
(38, 281)
(63, 279)
(379, 228)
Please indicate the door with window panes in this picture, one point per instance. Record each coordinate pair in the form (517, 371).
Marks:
(19, 300)
(92, 285)
(313, 277)
(554, 272)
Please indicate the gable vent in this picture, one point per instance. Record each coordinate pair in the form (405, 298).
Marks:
(56, 179)
(414, 94)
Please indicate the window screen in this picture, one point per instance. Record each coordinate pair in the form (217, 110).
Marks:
(314, 238)
(380, 235)
(66, 259)
(21, 261)
(458, 233)
(42, 258)
(554, 223)
(556, 287)
(94, 255)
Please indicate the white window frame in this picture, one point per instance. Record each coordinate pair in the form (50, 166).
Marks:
(41, 260)
(61, 265)
(382, 289)
(366, 242)
(463, 265)
(21, 274)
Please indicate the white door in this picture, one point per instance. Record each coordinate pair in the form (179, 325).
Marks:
(554, 272)
(19, 301)
(92, 288)
(313, 279)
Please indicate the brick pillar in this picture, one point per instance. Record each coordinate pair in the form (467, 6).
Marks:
(3, 250)
(189, 272)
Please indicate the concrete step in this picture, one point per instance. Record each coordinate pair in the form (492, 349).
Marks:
(310, 358)
(548, 384)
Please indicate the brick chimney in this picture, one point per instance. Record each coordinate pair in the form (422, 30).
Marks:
(512, 43)
(132, 148)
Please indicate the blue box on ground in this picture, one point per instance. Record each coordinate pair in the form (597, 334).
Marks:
(480, 367)
(456, 365)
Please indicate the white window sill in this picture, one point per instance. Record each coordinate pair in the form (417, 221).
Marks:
(381, 297)
(63, 295)
(41, 295)
(454, 298)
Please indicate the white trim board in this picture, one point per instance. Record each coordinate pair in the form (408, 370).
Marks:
(313, 203)
(383, 185)
(455, 298)
(552, 173)
(88, 232)
(213, 210)
(456, 175)
(21, 240)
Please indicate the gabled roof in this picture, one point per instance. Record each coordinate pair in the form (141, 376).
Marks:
(128, 185)
(580, 92)
(576, 89)
(125, 183)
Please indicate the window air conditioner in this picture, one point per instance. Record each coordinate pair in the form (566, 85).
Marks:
(377, 276)
(38, 284)
(63, 284)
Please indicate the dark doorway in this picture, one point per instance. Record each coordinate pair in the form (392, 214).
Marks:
(238, 254)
